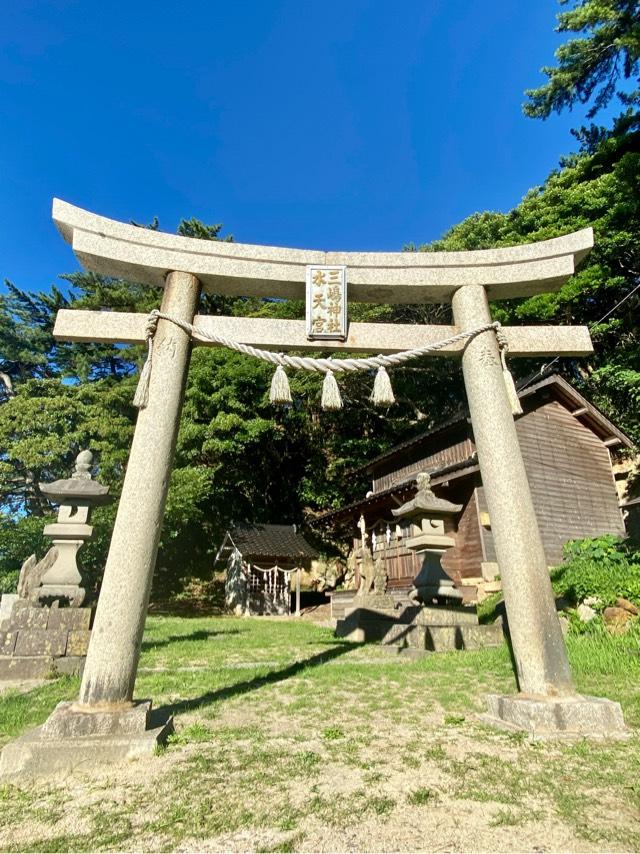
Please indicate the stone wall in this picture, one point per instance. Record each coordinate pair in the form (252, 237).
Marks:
(38, 642)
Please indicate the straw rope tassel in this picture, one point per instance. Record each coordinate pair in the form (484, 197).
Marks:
(330, 392)
(512, 394)
(382, 394)
(141, 397)
(280, 391)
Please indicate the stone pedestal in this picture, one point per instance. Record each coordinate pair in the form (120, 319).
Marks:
(76, 738)
(436, 628)
(573, 716)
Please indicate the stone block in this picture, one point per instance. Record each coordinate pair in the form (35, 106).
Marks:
(446, 615)
(416, 635)
(69, 531)
(27, 667)
(545, 717)
(7, 642)
(340, 601)
(397, 634)
(6, 606)
(25, 616)
(37, 755)
(372, 602)
(78, 642)
(442, 638)
(32, 641)
(70, 619)
(480, 637)
(69, 665)
(71, 720)
(492, 586)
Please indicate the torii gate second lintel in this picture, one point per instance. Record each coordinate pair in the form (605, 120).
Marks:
(468, 280)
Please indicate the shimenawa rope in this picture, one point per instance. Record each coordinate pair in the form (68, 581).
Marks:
(280, 392)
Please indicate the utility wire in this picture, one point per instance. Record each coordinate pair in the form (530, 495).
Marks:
(590, 326)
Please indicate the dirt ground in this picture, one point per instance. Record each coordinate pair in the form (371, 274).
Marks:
(354, 752)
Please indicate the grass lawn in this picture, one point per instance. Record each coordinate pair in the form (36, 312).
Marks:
(288, 739)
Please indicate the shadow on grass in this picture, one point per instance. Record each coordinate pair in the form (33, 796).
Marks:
(199, 635)
(248, 685)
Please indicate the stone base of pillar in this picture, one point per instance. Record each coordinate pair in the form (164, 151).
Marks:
(76, 739)
(573, 716)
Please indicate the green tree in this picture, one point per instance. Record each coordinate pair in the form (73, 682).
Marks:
(595, 188)
(595, 66)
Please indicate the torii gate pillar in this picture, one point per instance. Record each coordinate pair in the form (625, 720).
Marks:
(112, 661)
(538, 647)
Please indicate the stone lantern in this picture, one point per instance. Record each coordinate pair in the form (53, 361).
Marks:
(39, 636)
(77, 496)
(431, 521)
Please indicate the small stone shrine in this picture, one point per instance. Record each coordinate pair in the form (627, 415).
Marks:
(433, 618)
(44, 630)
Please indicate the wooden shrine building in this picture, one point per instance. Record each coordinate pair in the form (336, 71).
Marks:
(260, 562)
(565, 442)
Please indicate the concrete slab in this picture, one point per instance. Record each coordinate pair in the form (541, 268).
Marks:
(573, 716)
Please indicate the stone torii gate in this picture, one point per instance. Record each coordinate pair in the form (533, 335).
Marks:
(183, 266)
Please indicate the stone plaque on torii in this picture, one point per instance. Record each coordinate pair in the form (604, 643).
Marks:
(468, 279)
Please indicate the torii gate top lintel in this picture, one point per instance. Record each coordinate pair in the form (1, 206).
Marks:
(114, 248)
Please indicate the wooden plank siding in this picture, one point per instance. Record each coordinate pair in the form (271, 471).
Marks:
(463, 560)
(570, 477)
(569, 470)
(452, 452)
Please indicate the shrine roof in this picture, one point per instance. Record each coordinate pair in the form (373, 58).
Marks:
(403, 489)
(593, 417)
(261, 540)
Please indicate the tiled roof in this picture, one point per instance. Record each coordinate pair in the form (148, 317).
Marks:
(270, 541)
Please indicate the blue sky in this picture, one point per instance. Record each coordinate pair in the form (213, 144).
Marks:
(358, 124)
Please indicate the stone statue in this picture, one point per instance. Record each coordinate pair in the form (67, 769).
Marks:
(380, 576)
(349, 581)
(32, 572)
(367, 571)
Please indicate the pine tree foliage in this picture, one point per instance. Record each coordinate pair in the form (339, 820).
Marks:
(596, 66)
